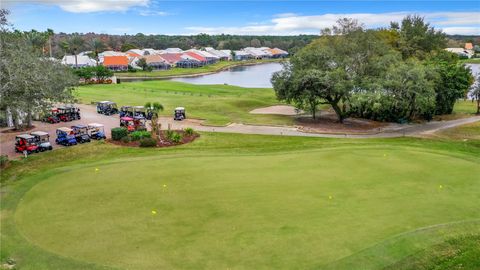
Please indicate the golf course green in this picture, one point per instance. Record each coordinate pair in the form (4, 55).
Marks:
(244, 202)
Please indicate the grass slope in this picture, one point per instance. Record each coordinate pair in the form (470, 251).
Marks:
(235, 201)
(218, 104)
(191, 71)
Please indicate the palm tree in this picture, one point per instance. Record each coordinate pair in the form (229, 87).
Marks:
(73, 44)
(97, 46)
(50, 35)
(36, 40)
(155, 108)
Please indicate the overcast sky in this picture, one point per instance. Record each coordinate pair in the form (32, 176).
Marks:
(260, 17)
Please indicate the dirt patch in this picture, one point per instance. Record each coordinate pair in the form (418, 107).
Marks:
(328, 123)
(277, 109)
(13, 130)
(163, 141)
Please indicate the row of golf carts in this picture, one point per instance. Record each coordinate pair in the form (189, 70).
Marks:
(39, 141)
(135, 112)
(65, 113)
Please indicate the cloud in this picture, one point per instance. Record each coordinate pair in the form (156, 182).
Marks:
(153, 13)
(293, 24)
(84, 6)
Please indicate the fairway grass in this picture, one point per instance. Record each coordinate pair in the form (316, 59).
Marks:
(217, 104)
(243, 202)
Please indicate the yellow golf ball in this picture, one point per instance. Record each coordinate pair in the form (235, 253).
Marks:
(154, 212)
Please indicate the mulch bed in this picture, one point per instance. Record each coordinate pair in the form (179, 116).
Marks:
(13, 130)
(163, 142)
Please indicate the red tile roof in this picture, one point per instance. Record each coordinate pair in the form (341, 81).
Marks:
(115, 61)
(468, 46)
(172, 58)
(196, 56)
(132, 54)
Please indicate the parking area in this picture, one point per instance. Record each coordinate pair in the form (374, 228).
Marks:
(89, 115)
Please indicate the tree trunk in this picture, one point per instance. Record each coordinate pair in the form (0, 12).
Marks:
(313, 108)
(338, 111)
(478, 106)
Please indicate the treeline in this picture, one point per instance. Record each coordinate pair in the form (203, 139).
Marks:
(396, 74)
(58, 44)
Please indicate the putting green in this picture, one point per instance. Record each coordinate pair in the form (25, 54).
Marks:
(298, 210)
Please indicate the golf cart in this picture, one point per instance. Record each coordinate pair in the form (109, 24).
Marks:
(81, 133)
(126, 111)
(107, 107)
(63, 114)
(65, 136)
(42, 139)
(52, 117)
(132, 124)
(25, 142)
(179, 114)
(73, 112)
(96, 131)
(142, 111)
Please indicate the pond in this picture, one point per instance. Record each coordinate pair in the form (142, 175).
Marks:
(254, 76)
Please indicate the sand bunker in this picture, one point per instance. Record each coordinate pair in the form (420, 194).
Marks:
(277, 109)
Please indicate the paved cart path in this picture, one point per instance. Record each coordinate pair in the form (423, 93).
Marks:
(89, 115)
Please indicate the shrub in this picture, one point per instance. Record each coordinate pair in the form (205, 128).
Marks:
(3, 160)
(126, 139)
(118, 133)
(176, 137)
(169, 135)
(189, 131)
(148, 142)
(138, 135)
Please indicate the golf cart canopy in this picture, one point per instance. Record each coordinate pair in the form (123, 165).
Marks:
(25, 136)
(126, 118)
(65, 129)
(39, 133)
(95, 125)
(79, 126)
(180, 109)
(104, 102)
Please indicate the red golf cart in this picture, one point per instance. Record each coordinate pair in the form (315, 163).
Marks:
(25, 142)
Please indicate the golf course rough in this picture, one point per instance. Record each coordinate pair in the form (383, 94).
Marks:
(296, 210)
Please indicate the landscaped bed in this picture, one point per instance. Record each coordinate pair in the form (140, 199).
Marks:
(167, 138)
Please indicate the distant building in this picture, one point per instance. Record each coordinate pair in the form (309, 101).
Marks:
(468, 46)
(461, 52)
(220, 54)
(242, 55)
(157, 62)
(81, 61)
(278, 53)
(116, 63)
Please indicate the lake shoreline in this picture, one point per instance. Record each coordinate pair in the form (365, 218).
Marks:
(167, 77)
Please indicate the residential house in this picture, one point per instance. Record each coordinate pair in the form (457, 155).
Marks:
(116, 63)
(209, 57)
(278, 53)
(222, 56)
(461, 52)
(468, 46)
(173, 50)
(172, 58)
(156, 62)
(242, 55)
(136, 51)
(193, 56)
(79, 61)
(258, 53)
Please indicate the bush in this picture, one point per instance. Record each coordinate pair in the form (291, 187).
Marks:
(3, 160)
(169, 135)
(148, 142)
(176, 137)
(126, 139)
(118, 133)
(189, 131)
(138, 135)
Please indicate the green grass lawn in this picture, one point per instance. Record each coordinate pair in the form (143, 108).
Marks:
(218, 104)
(190, 71)
(470, 61)
(230, 201)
